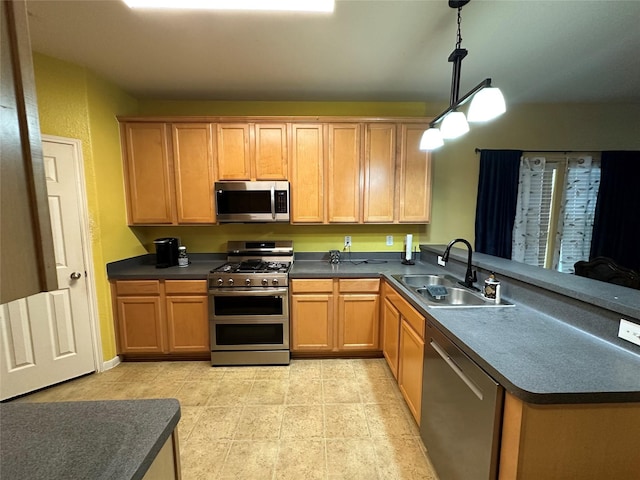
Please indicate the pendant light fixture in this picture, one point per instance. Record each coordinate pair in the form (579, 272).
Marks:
(487, 102)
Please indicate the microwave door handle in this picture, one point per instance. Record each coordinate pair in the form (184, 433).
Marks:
(273, 202)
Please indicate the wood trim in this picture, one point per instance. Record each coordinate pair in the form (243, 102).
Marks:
(181, 287)
(311, 285)
(358, 285)
(137, 287)
(272, 119)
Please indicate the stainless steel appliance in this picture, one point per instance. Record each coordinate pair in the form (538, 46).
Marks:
(255, 201)
(461, 411)
(249, 304)
(166, 252)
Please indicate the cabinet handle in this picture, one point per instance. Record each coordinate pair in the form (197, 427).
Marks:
(456, 369)
(273, 201)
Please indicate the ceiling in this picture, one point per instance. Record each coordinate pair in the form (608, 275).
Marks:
(367, 50)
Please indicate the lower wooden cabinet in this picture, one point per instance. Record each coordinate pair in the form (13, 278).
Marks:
(403, 346)
(335, 315)
(160, 317)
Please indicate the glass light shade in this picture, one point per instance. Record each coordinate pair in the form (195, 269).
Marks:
(431, 139)
(486, 105)
(454, 125)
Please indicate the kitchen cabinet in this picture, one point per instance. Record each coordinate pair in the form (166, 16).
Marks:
(168, 173)
(334, 315)
(343, 172)
(379, 173)
(161, 317)
(414, 183)
(252, 151)
(403, 328)
(307, 173)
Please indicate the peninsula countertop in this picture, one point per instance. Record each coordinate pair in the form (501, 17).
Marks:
(109, 440)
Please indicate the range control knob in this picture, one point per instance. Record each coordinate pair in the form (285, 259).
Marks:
(265, 282)
(247, 282)
(231, 282)
(274, 281)
(220, 282)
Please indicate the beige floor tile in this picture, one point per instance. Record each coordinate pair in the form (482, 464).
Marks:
(203, 461)
(176, 371)
(216, 423)
(371, 368)
(230, 392)
(402, 459)
(301, 460)
(204, 371)
(160, 390)
(302, 422)
(304, 391)
(272, 373)
(240, 373)
(268, 392)
(352, 458)
(338, 369)
(388, 420)
(254, 460)
(345, 420)
(305, 369)
(188, 417)
(259, 422)
(340, 391)
(379, 390)
(194, 393)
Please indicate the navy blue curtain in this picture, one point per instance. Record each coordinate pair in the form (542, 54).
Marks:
(616, 227)
(497, 197)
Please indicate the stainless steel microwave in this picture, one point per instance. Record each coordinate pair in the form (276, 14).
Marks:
(255, 201)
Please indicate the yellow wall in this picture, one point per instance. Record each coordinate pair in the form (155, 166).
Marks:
(75, 103)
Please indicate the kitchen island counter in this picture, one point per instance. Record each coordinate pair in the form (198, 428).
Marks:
(115, 440)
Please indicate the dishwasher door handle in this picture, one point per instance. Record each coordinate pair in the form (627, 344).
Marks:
(472, 386)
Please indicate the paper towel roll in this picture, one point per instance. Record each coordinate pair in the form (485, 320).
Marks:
(408, 245)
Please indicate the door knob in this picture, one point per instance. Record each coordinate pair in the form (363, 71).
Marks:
(75, 275)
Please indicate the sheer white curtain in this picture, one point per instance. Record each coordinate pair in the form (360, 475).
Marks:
(575, 223)
(529, 231)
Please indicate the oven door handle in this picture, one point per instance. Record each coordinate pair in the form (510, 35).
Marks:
(253, 292)
(273, 201)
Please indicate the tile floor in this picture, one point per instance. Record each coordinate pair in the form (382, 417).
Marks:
(314, 419)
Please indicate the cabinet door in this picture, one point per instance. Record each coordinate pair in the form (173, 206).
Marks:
(391, 335)
(410, 368)
(234, 160)
(415, 177)
(307, 181)
(343, 173)
(140, 324)
(147, 174)
(187, 323)
(312, 323)
(358, 322)
(379, 173)
(270, 151)
(193, 169)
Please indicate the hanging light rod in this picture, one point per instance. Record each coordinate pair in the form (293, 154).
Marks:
(487, 102)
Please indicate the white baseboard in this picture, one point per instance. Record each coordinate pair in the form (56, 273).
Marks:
(109, 364)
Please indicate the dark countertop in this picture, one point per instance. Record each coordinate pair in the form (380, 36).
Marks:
(108, 440)
(540, 355)
(143, 267)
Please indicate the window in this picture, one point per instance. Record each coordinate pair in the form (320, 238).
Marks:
(555, 209)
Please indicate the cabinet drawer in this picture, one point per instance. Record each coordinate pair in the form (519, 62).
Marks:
(313, 285)
(369, 285)
(173, 287)
(138, 287)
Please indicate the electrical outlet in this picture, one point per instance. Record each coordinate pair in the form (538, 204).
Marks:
(441, 262)
(347, 241)
(629, 331)
(389, 240)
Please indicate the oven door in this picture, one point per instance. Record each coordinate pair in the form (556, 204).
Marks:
(249, 319)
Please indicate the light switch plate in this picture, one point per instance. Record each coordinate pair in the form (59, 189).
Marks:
(441, 262)
(629, 331)
(389, 240)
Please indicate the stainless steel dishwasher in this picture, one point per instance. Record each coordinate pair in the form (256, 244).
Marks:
(461, 412)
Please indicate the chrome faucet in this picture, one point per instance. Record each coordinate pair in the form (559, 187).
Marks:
(470, 276)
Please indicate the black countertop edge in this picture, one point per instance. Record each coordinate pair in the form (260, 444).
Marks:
(623, 300)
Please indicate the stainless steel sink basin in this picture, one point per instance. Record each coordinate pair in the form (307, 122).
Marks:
(456, 295)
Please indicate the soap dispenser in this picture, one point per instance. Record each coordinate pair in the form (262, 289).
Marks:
(492, 288)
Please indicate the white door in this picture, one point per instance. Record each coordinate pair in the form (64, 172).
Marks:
(48, 338)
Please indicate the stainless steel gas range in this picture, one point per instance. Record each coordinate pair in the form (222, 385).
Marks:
(249, 304)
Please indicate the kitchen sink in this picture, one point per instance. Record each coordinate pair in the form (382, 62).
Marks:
(450, 295)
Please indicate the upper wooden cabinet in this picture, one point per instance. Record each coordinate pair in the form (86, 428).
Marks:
(379, 173)
(307, 173)
(168, 173)
(343, 172)
(414, 187)
(252, 151)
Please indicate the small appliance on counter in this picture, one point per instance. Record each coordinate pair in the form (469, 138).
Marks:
(166, 252)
